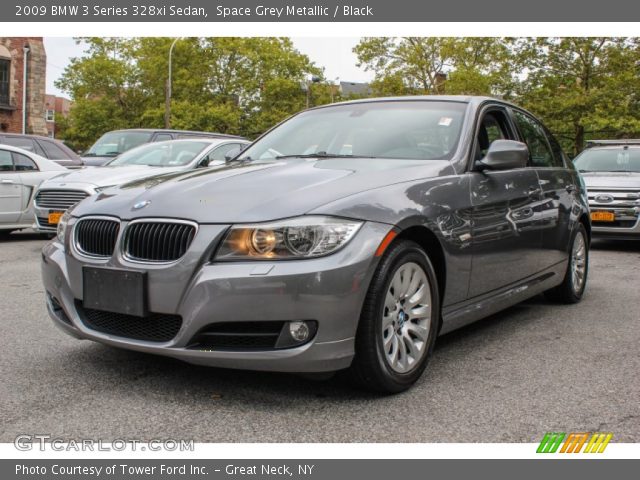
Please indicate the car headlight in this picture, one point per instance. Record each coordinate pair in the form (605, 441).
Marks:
(63, 223)
(302, 237)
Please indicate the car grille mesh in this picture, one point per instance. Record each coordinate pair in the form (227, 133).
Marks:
(97, 236)
(624, 203)
(59, 199)
(156, 327)
(158, 241)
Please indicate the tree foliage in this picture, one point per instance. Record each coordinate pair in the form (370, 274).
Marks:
(229, 85)
(580, 87)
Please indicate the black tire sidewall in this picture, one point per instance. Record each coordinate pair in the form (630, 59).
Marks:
(569, 278)
(397, 255)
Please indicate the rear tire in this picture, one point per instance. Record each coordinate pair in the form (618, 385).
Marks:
(574, 283)
(399, 321)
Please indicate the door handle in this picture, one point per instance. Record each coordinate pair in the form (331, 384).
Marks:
(534, 191)
(6, 181)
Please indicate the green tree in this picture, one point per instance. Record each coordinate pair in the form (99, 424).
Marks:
(582, 87)
(229, 85)
(420, 65)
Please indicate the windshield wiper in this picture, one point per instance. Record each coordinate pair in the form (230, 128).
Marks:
(323, 155)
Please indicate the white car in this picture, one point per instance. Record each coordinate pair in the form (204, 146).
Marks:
(55, 196)
(20, 174)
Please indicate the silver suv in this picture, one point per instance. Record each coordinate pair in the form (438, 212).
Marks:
(611, 171)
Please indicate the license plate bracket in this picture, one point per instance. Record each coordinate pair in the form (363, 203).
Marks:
(116, 291)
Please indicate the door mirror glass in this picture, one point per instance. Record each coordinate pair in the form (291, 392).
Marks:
(505, 155)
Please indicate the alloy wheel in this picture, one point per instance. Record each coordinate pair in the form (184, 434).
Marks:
(406, 317)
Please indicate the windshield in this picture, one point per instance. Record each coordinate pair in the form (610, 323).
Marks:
(162, 154)
(421, 130)
(114, 143)
(609, 160)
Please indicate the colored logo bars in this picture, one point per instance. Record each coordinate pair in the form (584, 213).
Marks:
(573, 442)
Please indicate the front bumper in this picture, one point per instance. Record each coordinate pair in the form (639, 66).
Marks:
(601, 230)
(328, 290)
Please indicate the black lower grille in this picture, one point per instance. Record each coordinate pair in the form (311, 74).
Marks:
(158, 241)
(57, 309)
(238, 336)
(44, 223)
(97, 236)
(156, 327)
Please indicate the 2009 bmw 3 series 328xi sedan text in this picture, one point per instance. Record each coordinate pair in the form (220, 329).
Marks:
(348, 237)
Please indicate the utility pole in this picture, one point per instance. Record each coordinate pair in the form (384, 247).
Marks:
(167, 89)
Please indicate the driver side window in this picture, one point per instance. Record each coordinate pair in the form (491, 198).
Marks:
(493, 127)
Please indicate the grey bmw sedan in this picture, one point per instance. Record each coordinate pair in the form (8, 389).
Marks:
(347, 237)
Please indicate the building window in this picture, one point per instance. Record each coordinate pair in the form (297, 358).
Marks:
(50, 116)
(5, 69)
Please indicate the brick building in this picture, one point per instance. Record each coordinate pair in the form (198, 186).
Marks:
(13, 51)
(54, 108)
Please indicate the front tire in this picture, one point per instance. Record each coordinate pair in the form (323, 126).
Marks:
(574, 283)
(399, 321)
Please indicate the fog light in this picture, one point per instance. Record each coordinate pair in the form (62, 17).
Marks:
(296, 333)
(299, 331)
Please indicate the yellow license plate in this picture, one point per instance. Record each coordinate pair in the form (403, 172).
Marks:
(54, 217)
(603, 216)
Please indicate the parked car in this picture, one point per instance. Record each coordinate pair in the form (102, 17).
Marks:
(54, 197)
(20, 174)
(112, 144)
(46, 147)
(611, 171)
(348, 237)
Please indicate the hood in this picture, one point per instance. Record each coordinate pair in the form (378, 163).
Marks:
(256, 191)
(108, 176)
(611, 179)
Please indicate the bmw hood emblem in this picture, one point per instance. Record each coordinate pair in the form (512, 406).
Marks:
(142, 204)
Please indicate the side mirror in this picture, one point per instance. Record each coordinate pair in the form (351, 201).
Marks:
(505, 155)
(233, 153)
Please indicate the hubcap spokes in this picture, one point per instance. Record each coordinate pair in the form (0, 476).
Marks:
(578, 262)
(406, 317)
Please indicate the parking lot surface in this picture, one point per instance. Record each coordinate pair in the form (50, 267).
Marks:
(534, 368)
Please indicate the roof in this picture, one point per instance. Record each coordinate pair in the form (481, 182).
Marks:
(613, 143)
(169, 130)
(477, 100)
(30, 135)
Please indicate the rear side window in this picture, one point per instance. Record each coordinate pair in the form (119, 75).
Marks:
(52, 151)
(540, 153)
(6, 162)
(162, 137)
(24, 163)
(558, 154)
(24, 143)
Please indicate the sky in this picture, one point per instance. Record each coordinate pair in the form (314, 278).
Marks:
(335, 54)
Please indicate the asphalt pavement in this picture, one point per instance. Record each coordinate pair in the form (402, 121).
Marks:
(534, 368)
